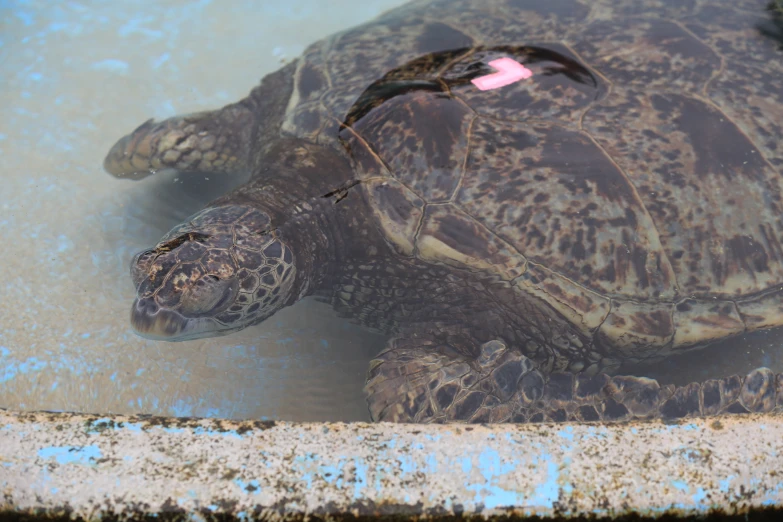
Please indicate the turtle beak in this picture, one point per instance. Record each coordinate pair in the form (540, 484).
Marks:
(152, 322)
(159, 324)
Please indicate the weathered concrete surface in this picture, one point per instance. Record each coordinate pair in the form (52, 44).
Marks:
(128, 467)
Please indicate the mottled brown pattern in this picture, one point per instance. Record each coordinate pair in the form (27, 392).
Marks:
(762, 311)
(763, 125)
(584, 309)
(621, 205)
(449, 236)
(554, 20)
(749, 88)
(636, 330)
(668, 9)
(698, 322)
(715, 201)
(560, 200)
(478, 20)
(734, 34)
(640, 54)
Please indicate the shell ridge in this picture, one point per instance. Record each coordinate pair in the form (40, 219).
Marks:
(715, 74)
(419, 227)
(544, 268)
(375, 154)
(464, 168)
(491, 232)
(594, 70)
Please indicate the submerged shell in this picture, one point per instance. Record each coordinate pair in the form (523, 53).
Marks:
(633, 183)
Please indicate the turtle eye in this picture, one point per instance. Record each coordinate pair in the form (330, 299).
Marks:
(208, 296)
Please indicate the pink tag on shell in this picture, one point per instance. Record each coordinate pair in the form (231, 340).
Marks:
(509, 71)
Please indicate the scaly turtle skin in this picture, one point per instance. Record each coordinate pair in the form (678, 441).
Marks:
(517, 244)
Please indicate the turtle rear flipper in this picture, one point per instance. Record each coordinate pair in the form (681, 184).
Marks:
(209, 141)
(410, 383)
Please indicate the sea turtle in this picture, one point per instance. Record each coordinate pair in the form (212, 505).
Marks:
(518, 243)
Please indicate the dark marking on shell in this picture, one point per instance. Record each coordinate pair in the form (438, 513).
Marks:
(597, 219)
(616, 50)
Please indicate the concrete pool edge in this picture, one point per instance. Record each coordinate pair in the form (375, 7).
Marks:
(55, 465)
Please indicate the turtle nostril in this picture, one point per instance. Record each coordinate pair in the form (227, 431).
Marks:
(147, 306)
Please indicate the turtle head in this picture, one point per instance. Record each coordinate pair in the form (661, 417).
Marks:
(221, 271)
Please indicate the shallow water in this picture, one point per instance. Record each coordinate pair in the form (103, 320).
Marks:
(76, 77)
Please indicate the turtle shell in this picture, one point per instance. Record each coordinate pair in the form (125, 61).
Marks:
(632, 183)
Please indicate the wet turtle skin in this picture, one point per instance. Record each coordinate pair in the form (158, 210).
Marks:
(518, 244)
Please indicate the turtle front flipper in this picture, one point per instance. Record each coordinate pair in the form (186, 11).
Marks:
(410, 383)
(210, 141)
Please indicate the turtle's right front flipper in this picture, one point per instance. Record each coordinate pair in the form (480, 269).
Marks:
(210, 141)
(418, 381)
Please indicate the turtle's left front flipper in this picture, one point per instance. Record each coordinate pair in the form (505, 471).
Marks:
(210, 141)
(409, 382)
